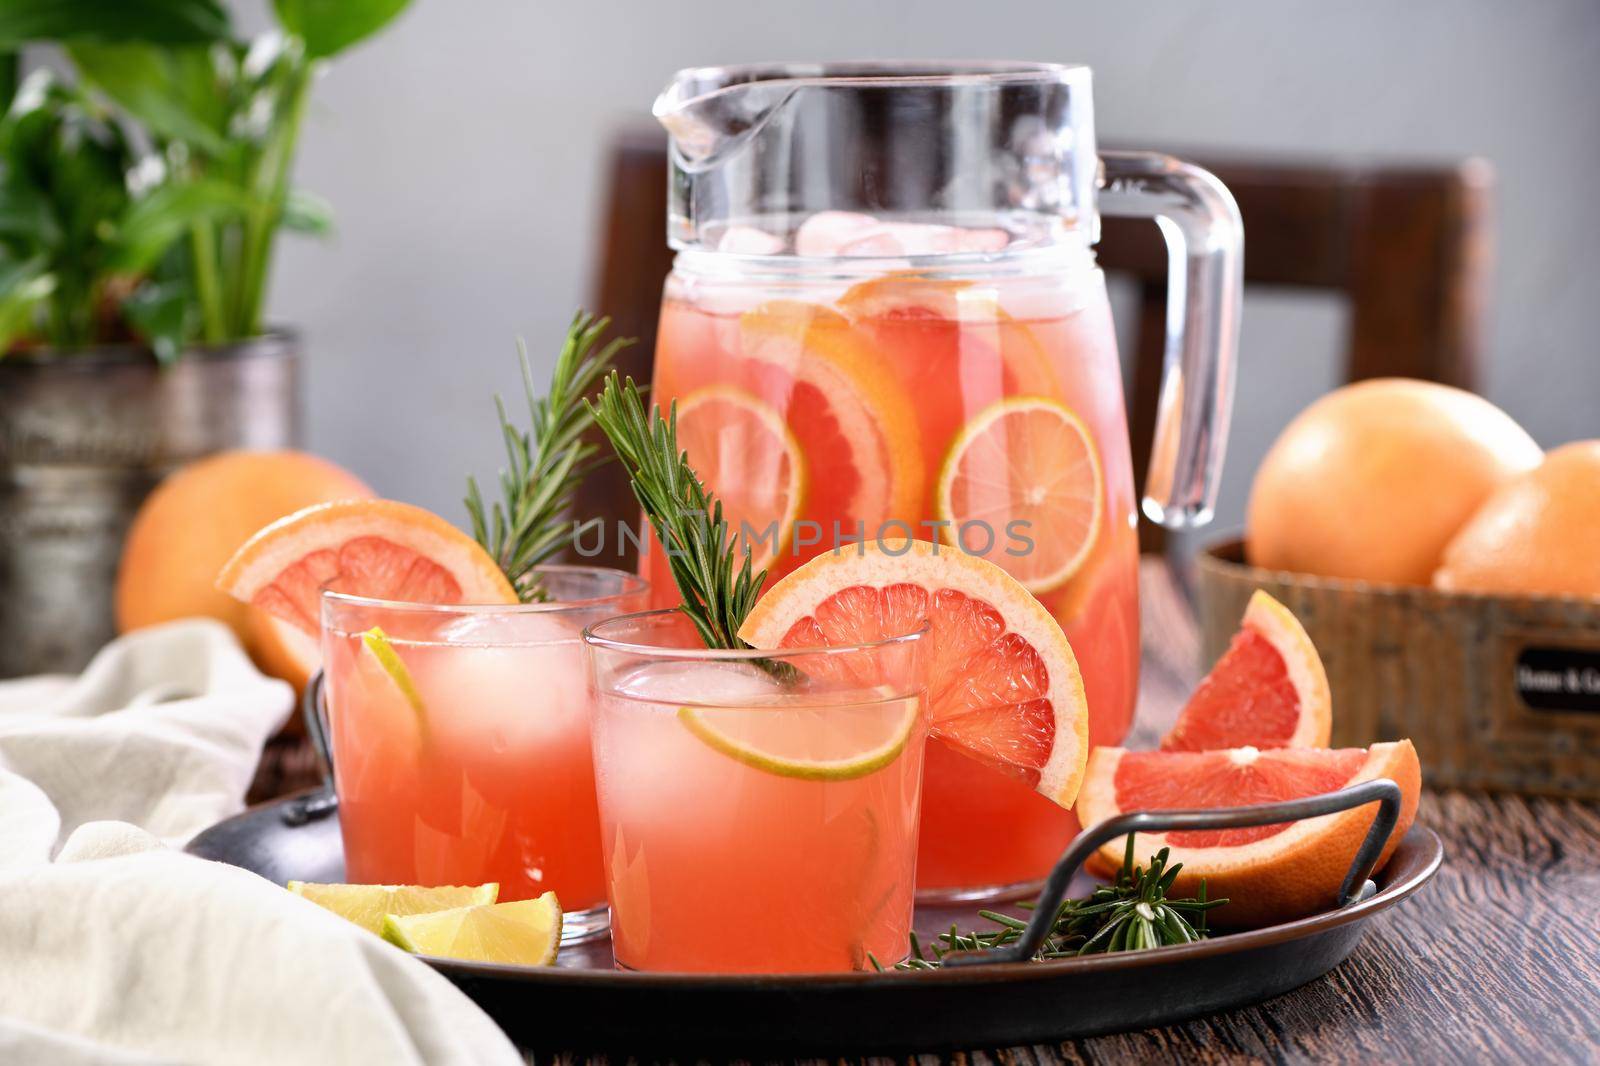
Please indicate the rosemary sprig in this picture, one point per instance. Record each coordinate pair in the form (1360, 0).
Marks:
(546, 463)
(1130, 914)
(712, 574)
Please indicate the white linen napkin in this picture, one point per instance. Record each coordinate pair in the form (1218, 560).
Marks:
(117, 949)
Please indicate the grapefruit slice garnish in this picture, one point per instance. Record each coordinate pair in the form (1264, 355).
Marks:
(1269, 873)
(835, 743)
(382, 549)
(853, 419)
(1269, 689)
(739, 445)
(1003, 683)
(1024, 465)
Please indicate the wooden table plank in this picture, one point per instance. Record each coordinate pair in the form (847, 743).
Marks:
(1496, 961)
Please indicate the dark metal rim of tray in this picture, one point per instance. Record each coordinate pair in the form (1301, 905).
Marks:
(1415, 861)
(983, 1003)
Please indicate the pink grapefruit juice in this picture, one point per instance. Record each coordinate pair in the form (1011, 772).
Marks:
(466, 758)
(938, 407)
(719, 864)
(491, 781)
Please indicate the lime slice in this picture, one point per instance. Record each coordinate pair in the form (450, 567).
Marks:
(376, 641)
(366, 905)
(835, 743)
(524, 933)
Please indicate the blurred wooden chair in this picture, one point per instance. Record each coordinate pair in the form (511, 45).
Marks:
(1408, 247)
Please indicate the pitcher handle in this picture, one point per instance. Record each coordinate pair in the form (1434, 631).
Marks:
(1205, 281)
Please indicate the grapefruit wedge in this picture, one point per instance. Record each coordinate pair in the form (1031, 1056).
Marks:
(1003, 684)
(1269, 874)
(379, 548)
(1268, 690)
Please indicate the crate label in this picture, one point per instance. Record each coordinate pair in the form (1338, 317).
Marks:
(1559, 679)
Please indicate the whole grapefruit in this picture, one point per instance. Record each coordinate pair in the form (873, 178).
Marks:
(1371, 481)
(1536, 534)
(193, 523)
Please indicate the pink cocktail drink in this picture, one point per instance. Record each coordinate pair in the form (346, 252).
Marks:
(460, 741)
(757, 815)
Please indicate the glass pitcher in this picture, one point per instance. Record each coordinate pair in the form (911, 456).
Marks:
(885, 317)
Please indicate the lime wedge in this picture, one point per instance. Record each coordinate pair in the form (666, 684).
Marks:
(524, 933)
(376, 641)
(366, 905)
(835, 743)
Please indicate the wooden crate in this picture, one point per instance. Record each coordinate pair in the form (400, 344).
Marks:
(1496, 692)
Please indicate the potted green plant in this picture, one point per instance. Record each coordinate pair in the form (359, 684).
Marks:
(141, 195)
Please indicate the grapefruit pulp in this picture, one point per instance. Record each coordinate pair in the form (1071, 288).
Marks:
(1269, 874)
(741, 444)
(1269, 689)
(381, 549)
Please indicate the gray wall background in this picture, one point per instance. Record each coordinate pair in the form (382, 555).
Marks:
(464, 152)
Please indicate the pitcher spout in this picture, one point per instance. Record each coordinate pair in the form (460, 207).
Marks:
(757, 150)
(708, 117)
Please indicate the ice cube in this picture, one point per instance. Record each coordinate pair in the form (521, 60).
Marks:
(829, 232)
(841, 233)
(962, 239)
(493, 699)
(508, 627)
(718, 684)
(747, 240)
(507, 681)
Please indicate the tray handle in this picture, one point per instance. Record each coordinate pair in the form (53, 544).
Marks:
(324, 801)
(1357, 884)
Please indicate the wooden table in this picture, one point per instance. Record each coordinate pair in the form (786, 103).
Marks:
(1497, 960)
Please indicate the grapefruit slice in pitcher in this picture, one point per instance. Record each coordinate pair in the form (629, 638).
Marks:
(1269, 689)
(1028, 465)
(378, 548)
(854, 421)
(951, 345)
(1268, 873)
(1003, 683)
(741, 445)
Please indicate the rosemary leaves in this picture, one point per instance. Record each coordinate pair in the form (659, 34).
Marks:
(1130, 914)
(712, 573)
(545, 463)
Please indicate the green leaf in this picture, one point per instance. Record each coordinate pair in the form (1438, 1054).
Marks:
(172, 90)
(63, 186)
(306, 212)
(330, 26)
(160, 312)
(156, 21)
(23, 286)
(154, 222)
(26, 215)
(10, 77)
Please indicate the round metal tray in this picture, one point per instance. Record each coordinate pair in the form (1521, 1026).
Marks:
(585, 1003)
